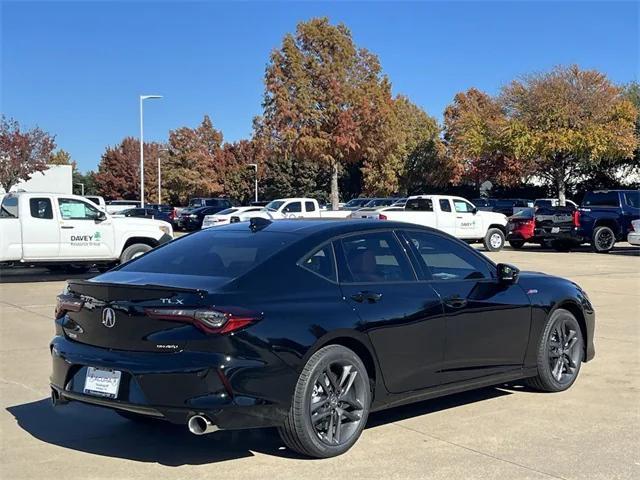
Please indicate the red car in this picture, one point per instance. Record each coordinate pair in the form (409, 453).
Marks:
(521, 228)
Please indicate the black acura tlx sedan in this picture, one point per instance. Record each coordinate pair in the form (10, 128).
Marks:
(309, 325)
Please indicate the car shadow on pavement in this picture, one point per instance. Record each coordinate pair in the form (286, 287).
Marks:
(36, 275)
(100, 431)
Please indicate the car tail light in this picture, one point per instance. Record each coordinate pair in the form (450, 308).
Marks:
(382, 217)
(209, 320)
(67, 303)
(576, 218)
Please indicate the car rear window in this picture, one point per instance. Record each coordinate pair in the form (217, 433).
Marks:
(212, 253)
(601, 199)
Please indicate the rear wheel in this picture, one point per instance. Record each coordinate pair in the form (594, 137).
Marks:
(330, 404)
(560, 353)
(494, 240)
(603, 240)
(517, 244)
(133, 251)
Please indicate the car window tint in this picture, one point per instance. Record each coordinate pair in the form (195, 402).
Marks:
(9, 207)
(212, 254)
(293, 207)
(72, 209)
(632, 199)
(41, 208)
(445, 205)
(321, 262)
(419, 204)
(309, 206)
(375, 257)
(447, 259)
(462, 207)
(601, 199)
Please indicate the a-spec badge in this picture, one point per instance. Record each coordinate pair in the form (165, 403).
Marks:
(109, 317)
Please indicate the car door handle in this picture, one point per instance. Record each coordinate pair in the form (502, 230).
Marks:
(371, 297)
(67, 227)
(455, 302)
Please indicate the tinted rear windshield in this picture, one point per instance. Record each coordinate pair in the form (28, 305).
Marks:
(601, 199)
(226, 254)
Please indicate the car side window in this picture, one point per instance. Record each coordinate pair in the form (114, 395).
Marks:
(375, 258)
(72, 209)
(41, 208)
(321, 262)
(445, 205)
(310, 206)
(293, 207)
(419, 205)
(447, 259)
(9, 207)
(462, 207)
(632, 199)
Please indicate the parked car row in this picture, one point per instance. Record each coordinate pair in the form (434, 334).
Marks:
(604, 218)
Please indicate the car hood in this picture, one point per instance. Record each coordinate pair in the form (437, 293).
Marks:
(493, 217)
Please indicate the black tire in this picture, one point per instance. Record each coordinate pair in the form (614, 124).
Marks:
(603, 240)
(133, 251)
(550, 346)
(494, 240)
(516, 244)
(322, 437)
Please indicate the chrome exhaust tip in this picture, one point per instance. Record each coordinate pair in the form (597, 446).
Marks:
(201, 425)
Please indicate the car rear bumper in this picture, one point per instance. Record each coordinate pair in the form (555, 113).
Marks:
(563, 233)
(634, 238)
(175, 386)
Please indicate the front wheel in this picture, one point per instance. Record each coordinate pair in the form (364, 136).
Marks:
(560, 353)
(330, 404)
(603, 240)
(494, 240)
(133, 251)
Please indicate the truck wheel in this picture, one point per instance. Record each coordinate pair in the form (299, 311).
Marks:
(603, 239)
(517, 244)
(133, 251)
(494, 240)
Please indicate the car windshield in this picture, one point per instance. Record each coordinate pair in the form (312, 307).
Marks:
(226, 254)
(526, 213)
(275, 205)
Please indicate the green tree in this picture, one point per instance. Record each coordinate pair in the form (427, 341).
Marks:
(568, 120)
(325, 100)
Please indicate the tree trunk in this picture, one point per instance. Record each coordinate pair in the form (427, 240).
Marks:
(561, 186)
(335, 194)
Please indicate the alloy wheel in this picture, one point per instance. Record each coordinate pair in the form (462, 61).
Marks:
(337, 403)
(605, 239)
(495, 240)
(564, 351)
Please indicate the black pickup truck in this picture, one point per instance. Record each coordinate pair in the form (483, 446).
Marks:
(603, 218)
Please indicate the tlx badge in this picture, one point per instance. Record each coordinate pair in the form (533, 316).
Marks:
(177, 301)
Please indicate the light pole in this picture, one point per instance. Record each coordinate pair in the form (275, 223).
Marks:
(142, 99)
(81, 188)
(159, 174)
(255, 165)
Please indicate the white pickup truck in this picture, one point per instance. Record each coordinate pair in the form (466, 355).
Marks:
(70, 232)
(453, 215)
(293, 208)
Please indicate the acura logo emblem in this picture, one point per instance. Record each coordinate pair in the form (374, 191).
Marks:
(108, 317)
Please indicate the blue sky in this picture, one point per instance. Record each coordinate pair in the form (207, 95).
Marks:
(76, 68)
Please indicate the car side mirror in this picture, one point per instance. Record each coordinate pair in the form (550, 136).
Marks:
(475, 210)
(101, 217)
(508, 273)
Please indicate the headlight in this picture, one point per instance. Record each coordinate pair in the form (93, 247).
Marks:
(193, 216)
(165, 229)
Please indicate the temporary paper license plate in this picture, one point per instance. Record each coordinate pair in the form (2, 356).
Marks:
(555, 229)
(102, 382)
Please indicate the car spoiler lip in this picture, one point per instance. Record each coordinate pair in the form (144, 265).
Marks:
(88, 287)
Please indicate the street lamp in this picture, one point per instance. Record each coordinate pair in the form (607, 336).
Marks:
(159, 174)
(81, 188)
(142, 99)
(255, 165)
